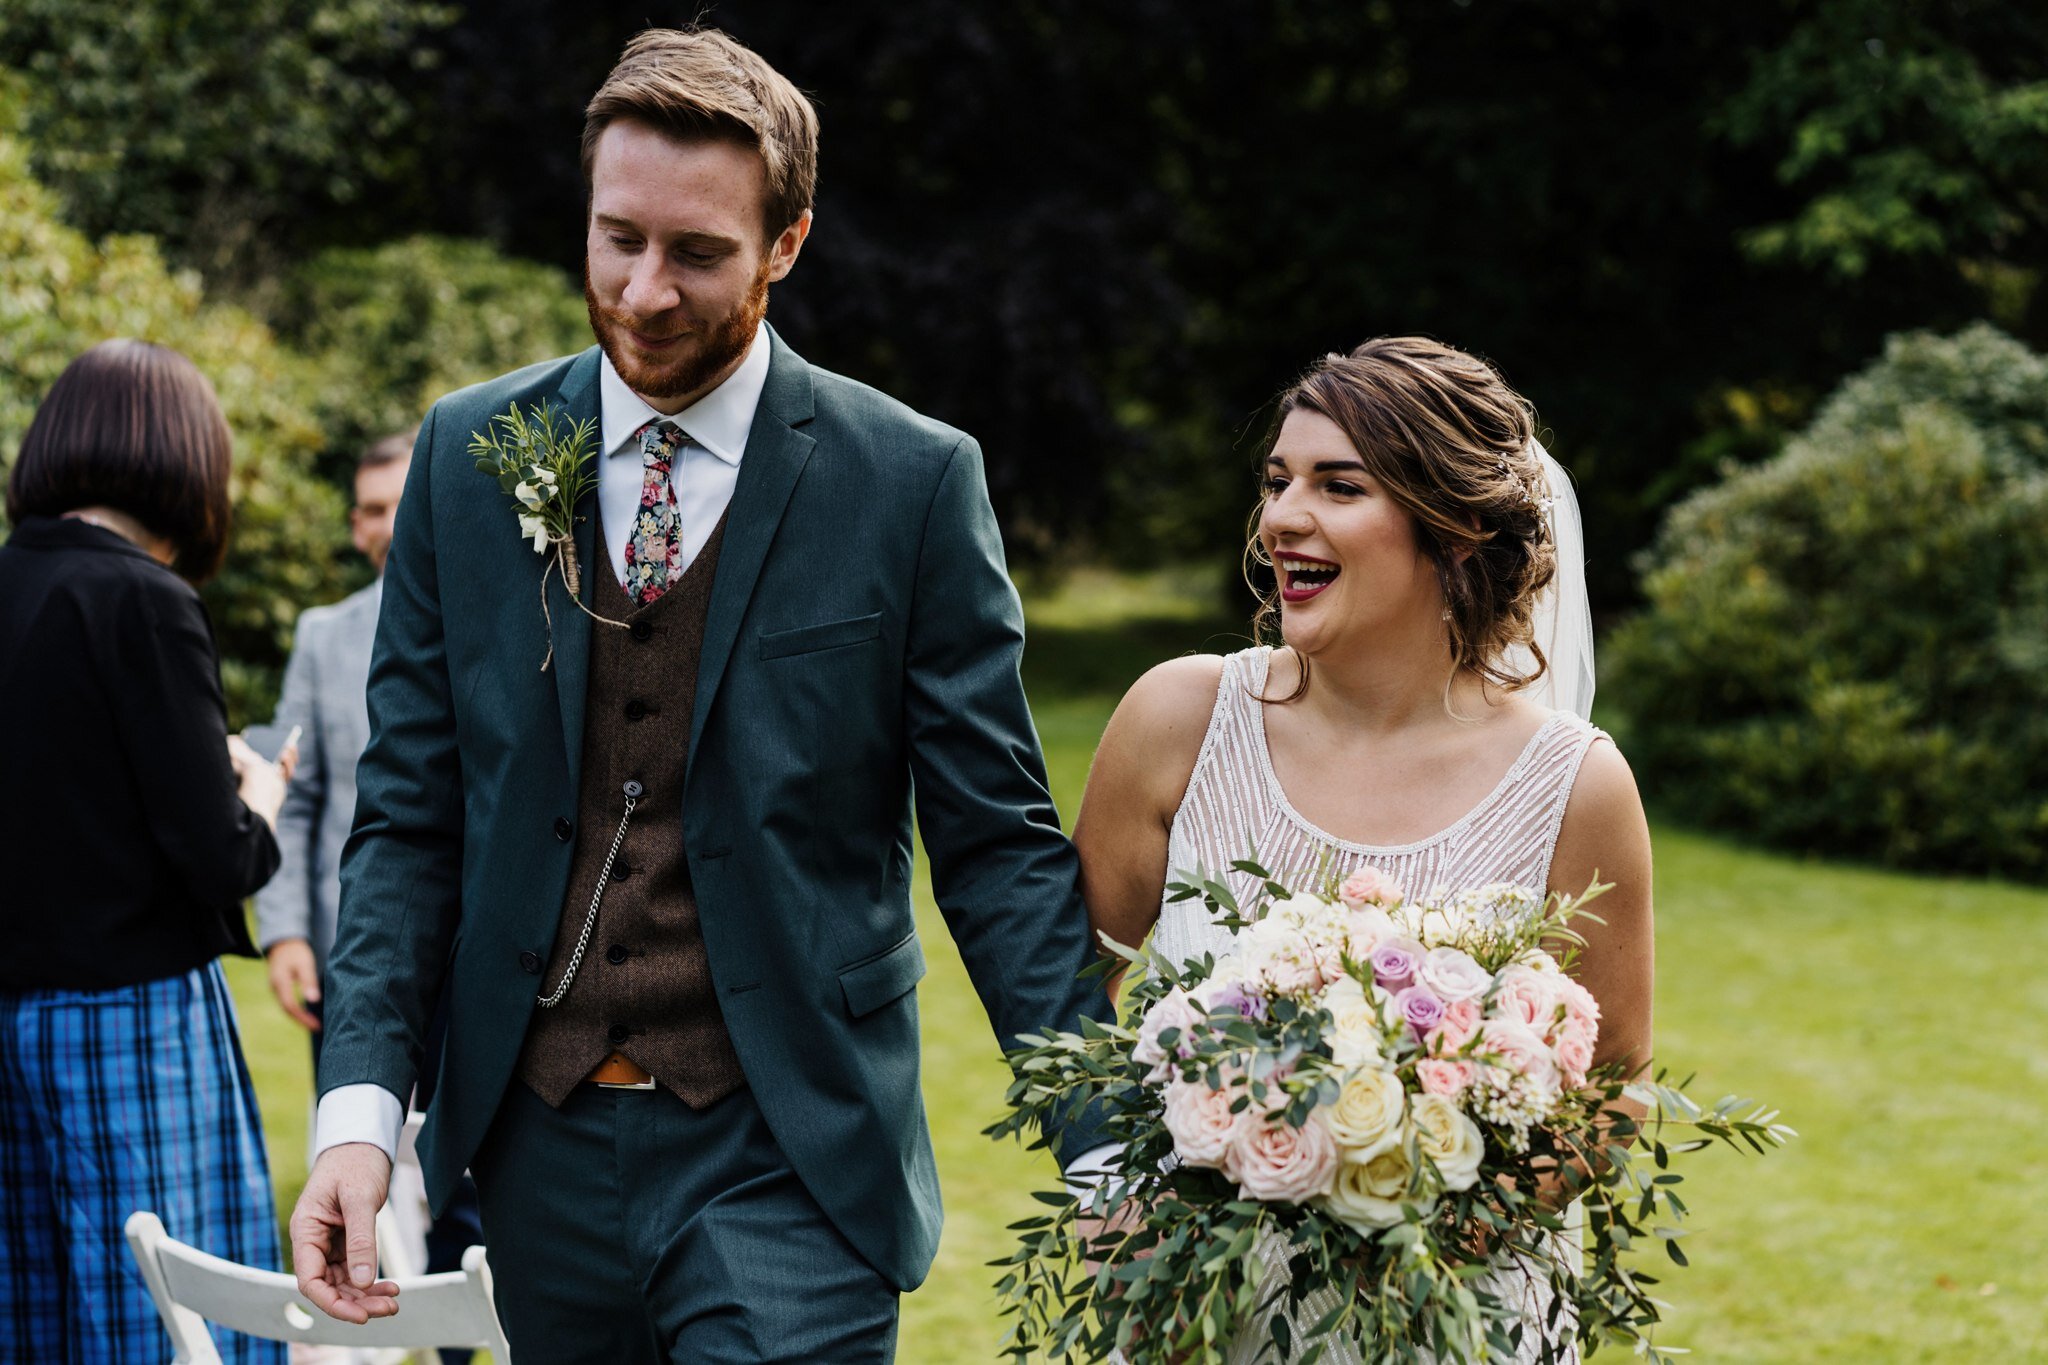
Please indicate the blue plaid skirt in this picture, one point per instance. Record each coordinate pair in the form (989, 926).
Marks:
(113, 1101)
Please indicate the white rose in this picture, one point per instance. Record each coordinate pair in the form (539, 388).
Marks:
(1452, 975)
(1367, 929)
(1447, 1137)
(1365, 1118)
(1371, 1195)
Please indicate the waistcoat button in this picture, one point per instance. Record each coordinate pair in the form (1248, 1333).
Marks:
(615, 954)
(636, 709)
(642, 631)
(618, 1033)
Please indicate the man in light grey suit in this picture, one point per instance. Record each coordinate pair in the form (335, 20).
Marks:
(324, 693)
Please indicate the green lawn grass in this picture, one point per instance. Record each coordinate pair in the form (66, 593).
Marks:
(1909, 1222)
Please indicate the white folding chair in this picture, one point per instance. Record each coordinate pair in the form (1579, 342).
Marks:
(403, 1221)
(192, 1289)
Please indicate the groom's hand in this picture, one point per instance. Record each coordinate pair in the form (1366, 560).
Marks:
(334, 1234)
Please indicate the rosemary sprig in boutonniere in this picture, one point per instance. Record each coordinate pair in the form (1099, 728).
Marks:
(546, 465)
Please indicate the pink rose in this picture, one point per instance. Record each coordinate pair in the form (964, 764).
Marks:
(1581, 1010)
(1277, 1161)
(1459, 1026)
(1395, 963)
(1369, 886)
(1514, 1046)
(1293, 972)
(1174, 1010)
(1441, 1077)
(1451, 974)
(1527, 996)
(1575, 1057)
(1201, 1123)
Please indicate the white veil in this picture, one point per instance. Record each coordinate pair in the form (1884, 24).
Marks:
(1564, 614)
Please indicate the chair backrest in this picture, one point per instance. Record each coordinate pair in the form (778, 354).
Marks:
(192, 1289)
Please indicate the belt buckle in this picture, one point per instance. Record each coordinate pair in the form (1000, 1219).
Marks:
(647, 1084)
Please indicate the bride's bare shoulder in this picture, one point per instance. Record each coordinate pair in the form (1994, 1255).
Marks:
(1174, 696)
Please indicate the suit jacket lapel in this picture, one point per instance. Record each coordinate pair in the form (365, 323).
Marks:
(571, 666)
(776, 453)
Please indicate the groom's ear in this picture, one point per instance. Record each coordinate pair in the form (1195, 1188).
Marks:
(788, 244)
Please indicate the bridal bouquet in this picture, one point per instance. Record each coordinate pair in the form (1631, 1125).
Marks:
(1391, 1099)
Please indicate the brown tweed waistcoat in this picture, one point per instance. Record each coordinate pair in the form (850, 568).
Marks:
(644, 987)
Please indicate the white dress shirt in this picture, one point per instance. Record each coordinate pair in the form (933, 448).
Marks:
(703, 475)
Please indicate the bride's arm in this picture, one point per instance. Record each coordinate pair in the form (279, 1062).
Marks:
(1604, 833)
(1135, 784)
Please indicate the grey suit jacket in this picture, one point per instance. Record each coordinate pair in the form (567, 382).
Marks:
(325, 691)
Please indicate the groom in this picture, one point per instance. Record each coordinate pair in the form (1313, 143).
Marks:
(665, 882)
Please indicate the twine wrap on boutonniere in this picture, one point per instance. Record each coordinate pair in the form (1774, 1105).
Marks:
(546, 465)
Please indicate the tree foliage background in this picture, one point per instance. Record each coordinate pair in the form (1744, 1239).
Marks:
(1100, 237)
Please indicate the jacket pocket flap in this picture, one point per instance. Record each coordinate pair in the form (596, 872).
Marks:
(874, 983)
(827, 635)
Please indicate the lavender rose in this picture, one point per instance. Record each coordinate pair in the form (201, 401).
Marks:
(1422, 1010)
(1395, 963)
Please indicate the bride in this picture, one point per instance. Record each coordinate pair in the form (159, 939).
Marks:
(1423, 714)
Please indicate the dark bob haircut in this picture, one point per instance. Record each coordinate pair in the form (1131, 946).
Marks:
(135, 427)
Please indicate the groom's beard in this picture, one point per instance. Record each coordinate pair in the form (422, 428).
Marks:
(699, 361)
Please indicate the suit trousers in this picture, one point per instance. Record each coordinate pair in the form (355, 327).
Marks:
(626, 1228)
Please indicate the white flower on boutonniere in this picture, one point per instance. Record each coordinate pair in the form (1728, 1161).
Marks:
(546, 465)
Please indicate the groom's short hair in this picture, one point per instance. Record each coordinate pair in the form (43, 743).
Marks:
(700, 83)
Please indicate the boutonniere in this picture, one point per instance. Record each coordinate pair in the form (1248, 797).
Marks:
(546, 465)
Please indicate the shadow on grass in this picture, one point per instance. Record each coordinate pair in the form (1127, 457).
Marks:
(1064, 663)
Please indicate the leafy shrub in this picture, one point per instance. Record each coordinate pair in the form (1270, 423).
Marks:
(60, 293)
(1846, 648)
(394, 327)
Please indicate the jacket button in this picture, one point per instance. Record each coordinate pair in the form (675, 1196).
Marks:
(563, 829)
(529, 962)
(618, 1033)
(636, 709)
(615, 954)
(642, 631)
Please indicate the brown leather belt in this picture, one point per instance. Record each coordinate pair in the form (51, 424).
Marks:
(620, 1072)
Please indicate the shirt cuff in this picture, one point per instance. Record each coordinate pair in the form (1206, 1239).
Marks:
(1092, 1169)
(359, 1113)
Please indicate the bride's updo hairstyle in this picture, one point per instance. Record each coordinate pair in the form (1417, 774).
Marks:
(1447, 439)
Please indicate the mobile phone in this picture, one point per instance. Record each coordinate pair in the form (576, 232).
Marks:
(291, 738)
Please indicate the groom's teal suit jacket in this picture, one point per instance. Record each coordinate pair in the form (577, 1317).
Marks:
(862, 649)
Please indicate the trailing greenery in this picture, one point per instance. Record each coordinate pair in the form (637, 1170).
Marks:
(1846, 649)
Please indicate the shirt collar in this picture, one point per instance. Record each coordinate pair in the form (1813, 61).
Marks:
(719, 421)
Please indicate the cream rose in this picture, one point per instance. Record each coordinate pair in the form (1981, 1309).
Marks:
(1272, 1159)
(1202, 1123)
(1447, 1137)
(1356, 1035)
(1371, 1195)
(1365, 1118)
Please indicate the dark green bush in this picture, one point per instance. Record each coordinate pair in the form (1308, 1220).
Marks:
(1846, 648)
(394, 327)
(60, 293)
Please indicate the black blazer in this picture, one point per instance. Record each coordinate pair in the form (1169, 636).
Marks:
(125, 854)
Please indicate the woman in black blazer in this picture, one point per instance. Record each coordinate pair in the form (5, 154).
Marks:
(132, 827)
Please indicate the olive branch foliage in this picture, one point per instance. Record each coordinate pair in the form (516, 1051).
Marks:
(1169, 1263)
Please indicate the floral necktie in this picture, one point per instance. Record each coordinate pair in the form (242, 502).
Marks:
(654, 555)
